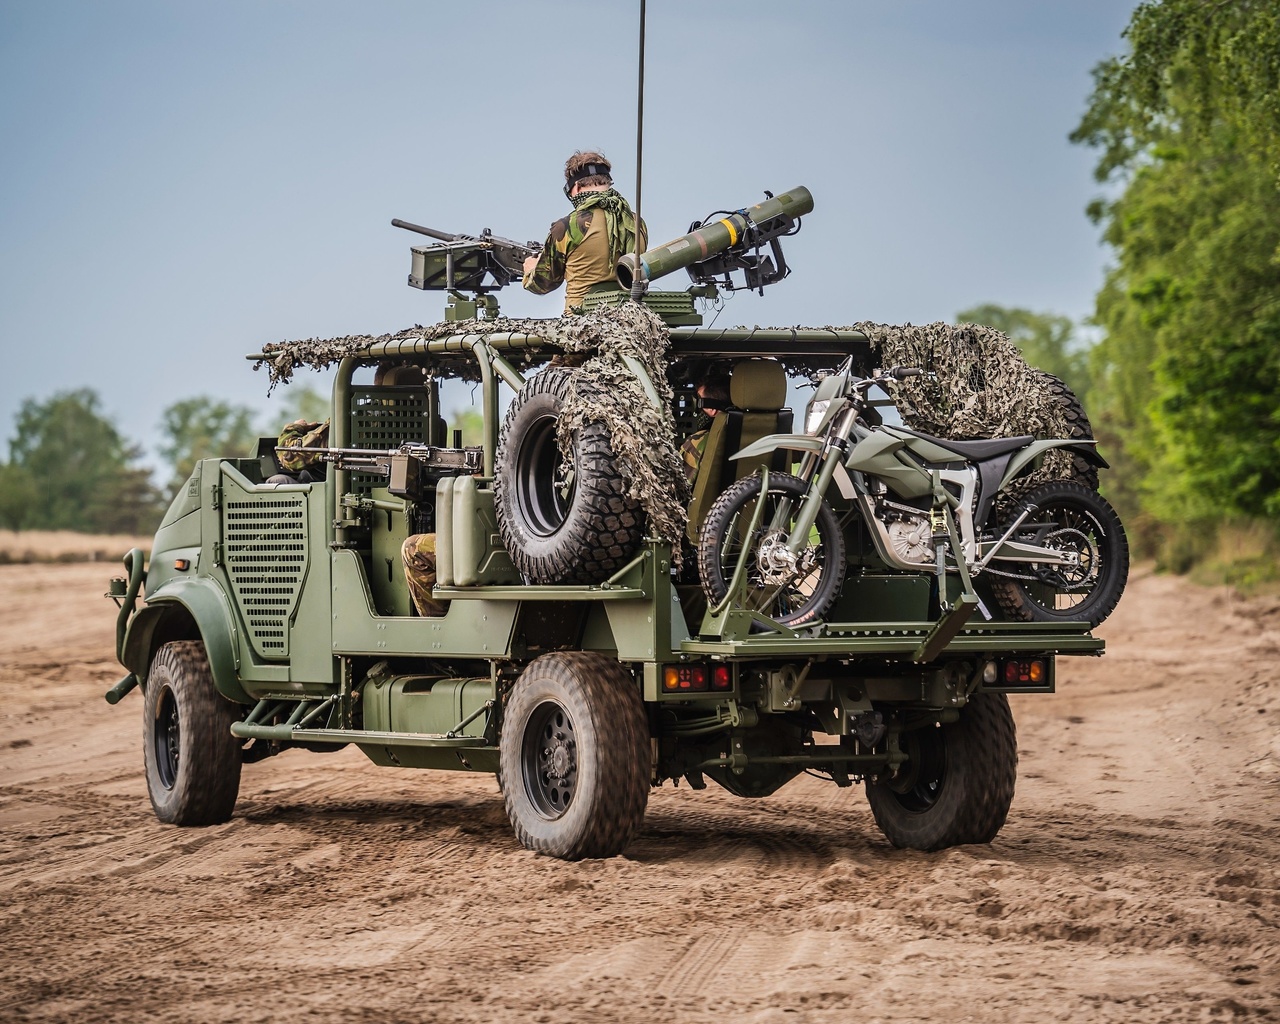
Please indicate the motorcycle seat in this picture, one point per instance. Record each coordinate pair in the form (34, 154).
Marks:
(976, 451)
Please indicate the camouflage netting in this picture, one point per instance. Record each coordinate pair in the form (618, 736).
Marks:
(282, 358)
(597, 343)
(605, 390)
(984, 388)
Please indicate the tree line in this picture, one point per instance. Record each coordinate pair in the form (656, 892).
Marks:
(1185, 381)
(70, 467)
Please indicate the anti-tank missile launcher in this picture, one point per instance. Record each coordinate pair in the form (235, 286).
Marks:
(725, 242)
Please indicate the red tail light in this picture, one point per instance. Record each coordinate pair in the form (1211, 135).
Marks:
(680, 678)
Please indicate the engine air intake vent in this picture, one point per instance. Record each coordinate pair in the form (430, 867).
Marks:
(265, 551)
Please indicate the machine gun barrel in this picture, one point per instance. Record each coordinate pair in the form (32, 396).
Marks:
(744, 229)
(442, 236)
(409, 469)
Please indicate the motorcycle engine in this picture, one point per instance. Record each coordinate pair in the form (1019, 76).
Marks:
(911, 539)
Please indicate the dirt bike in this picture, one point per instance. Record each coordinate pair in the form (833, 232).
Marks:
(1055, 553)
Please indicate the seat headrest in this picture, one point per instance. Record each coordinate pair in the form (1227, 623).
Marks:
(759, 384)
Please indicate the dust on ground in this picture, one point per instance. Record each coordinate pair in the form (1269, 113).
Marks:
(1136, 880)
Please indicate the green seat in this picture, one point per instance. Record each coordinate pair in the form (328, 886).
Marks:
(758, 391)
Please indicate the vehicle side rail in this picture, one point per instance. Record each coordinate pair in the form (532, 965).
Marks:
(903, 640)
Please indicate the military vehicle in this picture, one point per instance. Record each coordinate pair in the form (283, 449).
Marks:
(572, 659)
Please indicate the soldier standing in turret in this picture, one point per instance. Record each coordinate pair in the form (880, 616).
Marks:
(583, 249)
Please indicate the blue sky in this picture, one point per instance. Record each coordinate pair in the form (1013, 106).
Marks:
(181, 182)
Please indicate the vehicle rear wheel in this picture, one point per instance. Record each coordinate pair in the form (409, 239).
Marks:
(574, 764)
(192, 760)
(577, 526)
(957, 783)
(1074, 520)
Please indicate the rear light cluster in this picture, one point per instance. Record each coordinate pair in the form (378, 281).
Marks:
(1019, 673)
(692, 678)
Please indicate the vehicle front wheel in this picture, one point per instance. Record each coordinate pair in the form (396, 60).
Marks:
(192, 760)
(792, 588)
(957, 783)
(575, 756)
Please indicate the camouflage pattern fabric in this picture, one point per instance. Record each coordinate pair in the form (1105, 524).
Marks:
(642, 436)
(564, 257)
(691, 452)
(282, 358)
(419, 556)
(301, 434)
(984, 389)
(597, 344)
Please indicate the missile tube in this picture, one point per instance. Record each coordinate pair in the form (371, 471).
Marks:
(711, 239)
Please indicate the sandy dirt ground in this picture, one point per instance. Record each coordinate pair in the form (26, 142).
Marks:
(1137, 878)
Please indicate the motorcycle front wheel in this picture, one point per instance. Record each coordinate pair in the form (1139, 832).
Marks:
(1075, 520)
(789, 589)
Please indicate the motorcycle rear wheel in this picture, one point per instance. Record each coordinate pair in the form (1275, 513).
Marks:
(792, 595)
(1069, 517)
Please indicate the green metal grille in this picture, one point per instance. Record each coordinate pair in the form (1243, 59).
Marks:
(265, 552)
(383, 418)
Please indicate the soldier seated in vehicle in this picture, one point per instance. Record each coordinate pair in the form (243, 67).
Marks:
(713, 396)
(419, 556)
(300, 468)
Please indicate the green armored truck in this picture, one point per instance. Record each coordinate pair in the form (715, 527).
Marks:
(848, 597)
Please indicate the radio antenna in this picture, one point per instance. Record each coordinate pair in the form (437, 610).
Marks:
(638, 285)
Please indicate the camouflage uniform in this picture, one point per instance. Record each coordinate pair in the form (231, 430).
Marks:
(419, 555)
(583, 248)
(301, 434)
(691, 452)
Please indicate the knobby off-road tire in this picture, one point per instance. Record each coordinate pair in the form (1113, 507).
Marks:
(192, 760)
(1083, 521)
(957, 783)
(579, 530)
(1082, 470)
(789, 598)
(574, 749)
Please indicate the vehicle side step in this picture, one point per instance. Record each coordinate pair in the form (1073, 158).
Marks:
(289, 734)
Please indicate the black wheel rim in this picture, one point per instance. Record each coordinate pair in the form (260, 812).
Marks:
(544, 496)
(167, 738)
(1064, 590)
(920, 785)
(550, 760)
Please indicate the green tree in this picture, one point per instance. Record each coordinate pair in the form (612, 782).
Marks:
(1047, 341)
(19, 496)
(202, 428)
(301, 402)
(1188, 125)
(470, 422)
(85, 473)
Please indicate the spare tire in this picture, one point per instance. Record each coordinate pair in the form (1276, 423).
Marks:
(1081, 469)
(575, 527)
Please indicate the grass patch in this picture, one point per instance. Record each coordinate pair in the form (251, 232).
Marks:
(1242, 554)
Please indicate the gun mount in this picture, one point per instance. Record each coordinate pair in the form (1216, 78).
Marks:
(466, 263)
